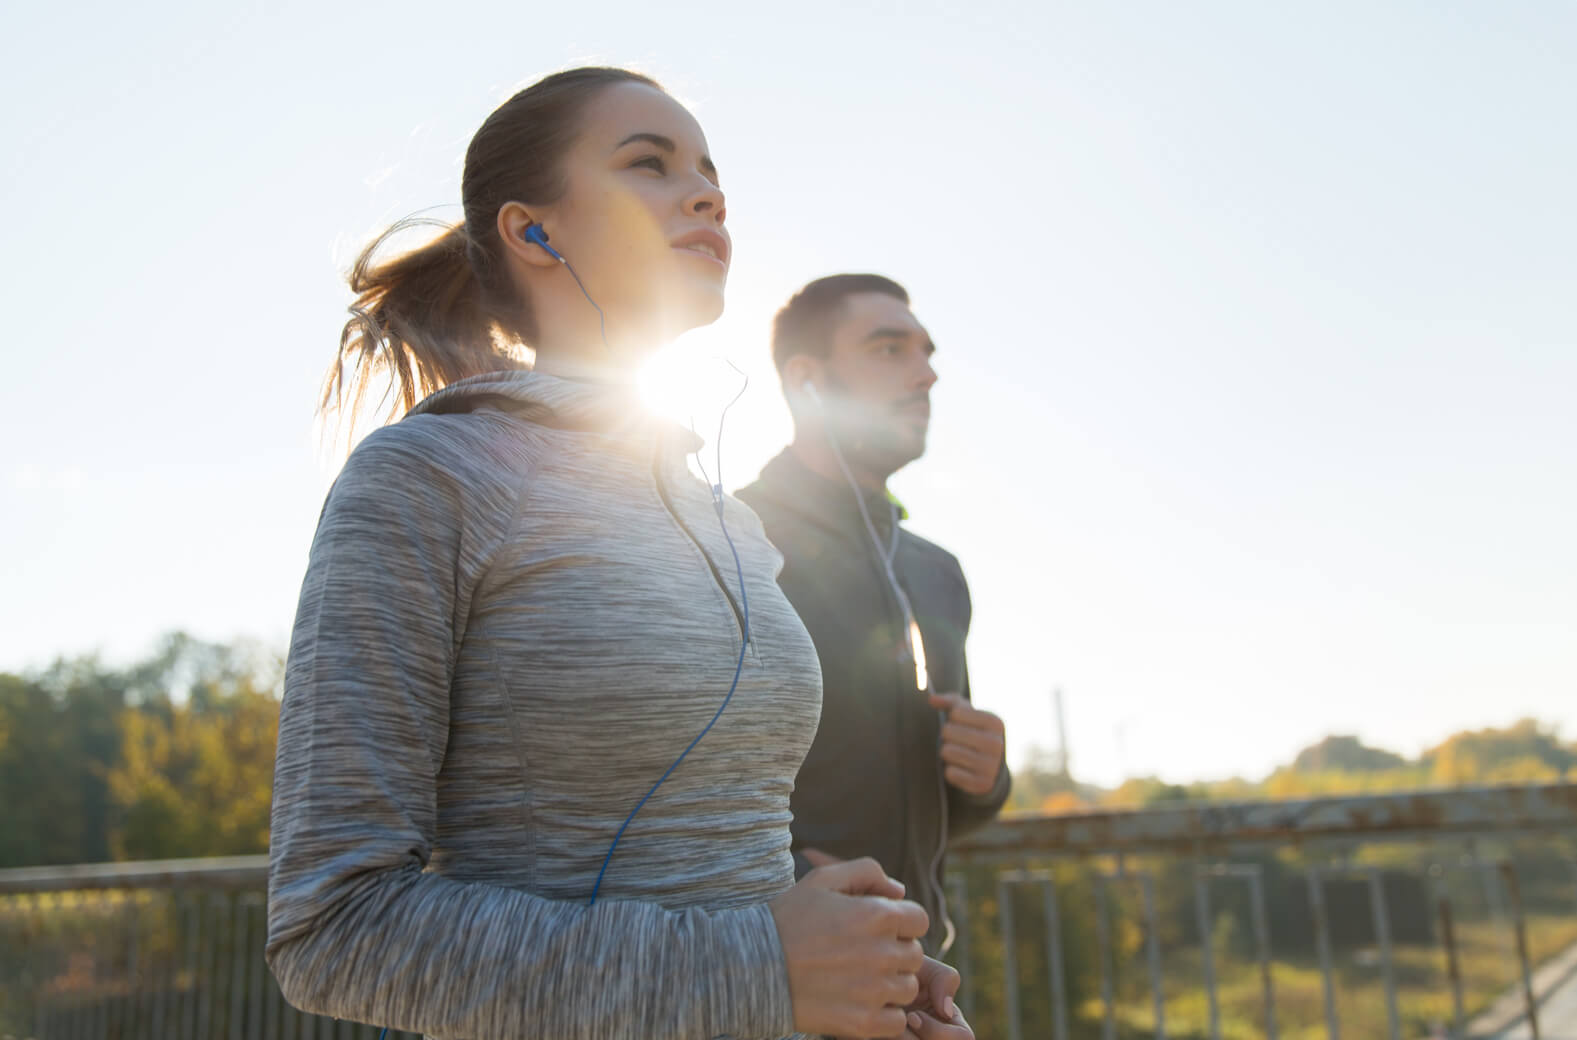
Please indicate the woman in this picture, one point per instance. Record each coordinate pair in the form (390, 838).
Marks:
(520, 608)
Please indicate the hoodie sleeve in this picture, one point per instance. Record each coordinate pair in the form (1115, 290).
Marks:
(356, 928)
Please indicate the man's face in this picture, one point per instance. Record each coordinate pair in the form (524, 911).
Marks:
(879, 378)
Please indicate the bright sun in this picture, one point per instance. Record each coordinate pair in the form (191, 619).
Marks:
(688, 383)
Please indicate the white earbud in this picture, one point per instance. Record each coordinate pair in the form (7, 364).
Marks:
(809, 390)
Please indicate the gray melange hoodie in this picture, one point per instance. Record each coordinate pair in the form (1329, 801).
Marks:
(518, 609)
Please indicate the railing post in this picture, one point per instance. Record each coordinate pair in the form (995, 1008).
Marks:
(1009, 954)
(1059, 992)
(164, 976)
(1453, 969)
(1514, 897)
(255, 990)
(238, 959)
(959, 911)
(1103, 937)
(1206, 943)
(1322, 938)
(1153, 945)
(1256, 894)
(1382, 935)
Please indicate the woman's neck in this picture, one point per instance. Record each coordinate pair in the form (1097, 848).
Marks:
(581, 369)
(585, 355)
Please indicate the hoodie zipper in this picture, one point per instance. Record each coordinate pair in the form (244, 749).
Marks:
(717, 575)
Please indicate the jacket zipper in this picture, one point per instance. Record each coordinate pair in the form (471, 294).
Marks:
(717, 575)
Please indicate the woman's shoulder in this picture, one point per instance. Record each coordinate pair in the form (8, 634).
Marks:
(444, 460)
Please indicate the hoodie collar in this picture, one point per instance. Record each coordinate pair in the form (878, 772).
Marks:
(614, 409)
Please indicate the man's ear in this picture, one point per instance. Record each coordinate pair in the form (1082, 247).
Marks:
(799, 370)
(513, 219)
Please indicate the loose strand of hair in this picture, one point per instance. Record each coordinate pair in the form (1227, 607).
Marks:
(418, 323)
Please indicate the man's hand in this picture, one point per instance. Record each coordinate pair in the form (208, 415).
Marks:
(933, 1015)
(925, 1025)
(973, 744)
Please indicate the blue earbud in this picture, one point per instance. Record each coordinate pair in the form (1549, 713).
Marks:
(535, 233)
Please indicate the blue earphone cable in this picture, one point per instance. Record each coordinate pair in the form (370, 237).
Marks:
(744, 640)
(602, 320)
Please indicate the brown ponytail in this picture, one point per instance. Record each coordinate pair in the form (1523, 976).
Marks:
(418, 321)
(448, 310)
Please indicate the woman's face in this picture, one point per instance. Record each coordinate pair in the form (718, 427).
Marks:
(641, 218)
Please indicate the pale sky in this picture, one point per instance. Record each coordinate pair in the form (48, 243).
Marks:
(1257, 323)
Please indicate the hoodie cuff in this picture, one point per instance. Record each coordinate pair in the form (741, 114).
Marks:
(750, 997)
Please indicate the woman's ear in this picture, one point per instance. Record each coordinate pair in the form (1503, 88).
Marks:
(513, 220)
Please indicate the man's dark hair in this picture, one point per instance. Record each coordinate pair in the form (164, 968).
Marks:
(804, 325)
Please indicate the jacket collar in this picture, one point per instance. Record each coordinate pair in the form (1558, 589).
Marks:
(792, 485)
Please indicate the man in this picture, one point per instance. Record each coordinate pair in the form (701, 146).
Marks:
(886, 777)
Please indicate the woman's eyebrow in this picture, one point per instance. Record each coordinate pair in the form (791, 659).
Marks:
(667, 145)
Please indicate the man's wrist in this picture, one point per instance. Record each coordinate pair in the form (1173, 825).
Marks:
(998, 791)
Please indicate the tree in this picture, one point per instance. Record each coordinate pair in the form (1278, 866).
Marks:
(195, 772)
(1347, 754)
(60, 740)
(1527, 751)
(170, 757)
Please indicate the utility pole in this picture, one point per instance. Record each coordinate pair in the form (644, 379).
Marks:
(1064, 764)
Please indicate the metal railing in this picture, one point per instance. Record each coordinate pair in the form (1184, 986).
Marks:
(1481, 871)
(155, 950)
(1447, 913)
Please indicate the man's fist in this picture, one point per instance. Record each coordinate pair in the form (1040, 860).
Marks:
(973, 744)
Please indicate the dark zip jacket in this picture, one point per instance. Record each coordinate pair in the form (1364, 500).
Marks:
(871, 784)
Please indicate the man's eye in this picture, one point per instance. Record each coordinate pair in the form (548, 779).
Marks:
(652, 162)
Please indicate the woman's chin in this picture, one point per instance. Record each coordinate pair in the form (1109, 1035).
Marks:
(702, 304)
(683, 305)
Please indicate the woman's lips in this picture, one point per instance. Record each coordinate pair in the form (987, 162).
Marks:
(708, 244)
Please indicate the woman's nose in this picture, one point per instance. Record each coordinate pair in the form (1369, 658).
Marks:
(707, 201)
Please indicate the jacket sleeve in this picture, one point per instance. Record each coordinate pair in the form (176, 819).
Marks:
(356, 928)
(967, 812)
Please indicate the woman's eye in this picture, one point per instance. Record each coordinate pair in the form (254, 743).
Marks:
(652, 162)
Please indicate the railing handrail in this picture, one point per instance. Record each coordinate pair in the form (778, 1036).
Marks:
(1204, 827)
(1186, 827)
(228, 872)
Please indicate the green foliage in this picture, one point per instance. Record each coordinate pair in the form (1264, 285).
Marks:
(171, 757)
(60, 739)
(1525, 752)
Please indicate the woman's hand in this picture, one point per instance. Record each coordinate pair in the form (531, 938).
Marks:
(934, 1015)
(853, 950)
